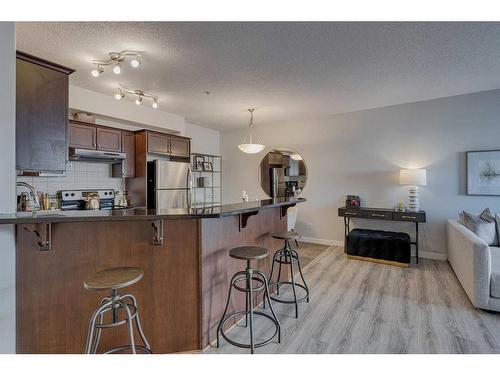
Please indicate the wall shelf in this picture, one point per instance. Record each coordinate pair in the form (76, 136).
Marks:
(212, 193)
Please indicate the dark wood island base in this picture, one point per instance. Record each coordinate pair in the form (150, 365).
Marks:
(181, 297)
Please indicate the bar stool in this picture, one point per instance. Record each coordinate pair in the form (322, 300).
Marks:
(249, 253)
(114, 279)
(288, 256)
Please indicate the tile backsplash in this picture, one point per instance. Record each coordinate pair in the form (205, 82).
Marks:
(79, 175)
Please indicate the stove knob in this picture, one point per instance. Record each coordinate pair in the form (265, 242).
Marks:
(66, 194)
(72, 194)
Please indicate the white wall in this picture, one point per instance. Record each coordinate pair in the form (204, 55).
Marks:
(7, 186)
(204, 140)
(362, 152)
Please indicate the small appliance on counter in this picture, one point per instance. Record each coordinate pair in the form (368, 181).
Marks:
(92, 199)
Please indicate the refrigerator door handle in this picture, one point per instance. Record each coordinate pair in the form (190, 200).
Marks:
(189, 185)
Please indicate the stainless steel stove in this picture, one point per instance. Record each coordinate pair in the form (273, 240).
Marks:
(76, 199)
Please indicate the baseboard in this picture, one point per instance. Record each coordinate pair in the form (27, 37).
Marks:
(431, 255)
(322, 241)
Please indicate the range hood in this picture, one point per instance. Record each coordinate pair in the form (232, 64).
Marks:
(97, 156)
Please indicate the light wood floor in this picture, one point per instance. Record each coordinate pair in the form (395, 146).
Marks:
(362, 307)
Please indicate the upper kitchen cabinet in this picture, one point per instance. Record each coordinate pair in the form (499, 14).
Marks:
(168, 145)
(109, 139)
(158, 144)
(180, 147)
(82, 136)
(94, 137)
(41, 114)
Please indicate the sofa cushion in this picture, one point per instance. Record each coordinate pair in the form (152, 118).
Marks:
(482, 225)
(495, 271)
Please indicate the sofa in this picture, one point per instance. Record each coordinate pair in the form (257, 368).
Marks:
(476, 265)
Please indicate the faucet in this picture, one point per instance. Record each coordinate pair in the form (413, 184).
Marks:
(30, 188)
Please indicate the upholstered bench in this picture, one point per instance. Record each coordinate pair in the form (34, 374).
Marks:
(379, 246)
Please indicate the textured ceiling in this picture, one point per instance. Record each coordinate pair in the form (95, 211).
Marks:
(285, 70)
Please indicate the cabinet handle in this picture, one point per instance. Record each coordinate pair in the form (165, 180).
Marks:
(378, 215)
(408, 217)
(350, 213)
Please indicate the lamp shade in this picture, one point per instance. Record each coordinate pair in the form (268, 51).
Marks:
(413, 177)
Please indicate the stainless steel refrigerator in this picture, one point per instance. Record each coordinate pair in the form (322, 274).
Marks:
(277, 179)
(169, 184)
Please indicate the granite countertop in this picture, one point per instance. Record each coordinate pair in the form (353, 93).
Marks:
(132, 214)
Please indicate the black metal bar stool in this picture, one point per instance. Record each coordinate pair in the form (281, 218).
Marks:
(288, 256)
(249, 253)
(116, 305)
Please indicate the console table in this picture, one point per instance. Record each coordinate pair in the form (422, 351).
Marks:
(382, 214)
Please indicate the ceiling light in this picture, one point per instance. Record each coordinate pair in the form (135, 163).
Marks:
(139, 94)
(115, 58)
(119, 95)
(117, 69)
(248, 146)
(97, 71)
(135, 63)
(296, 156)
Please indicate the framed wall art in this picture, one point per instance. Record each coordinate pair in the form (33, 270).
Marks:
(483, 172)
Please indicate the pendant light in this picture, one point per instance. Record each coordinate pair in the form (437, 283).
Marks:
(248, 146)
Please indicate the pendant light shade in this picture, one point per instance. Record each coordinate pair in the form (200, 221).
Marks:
(249, 146)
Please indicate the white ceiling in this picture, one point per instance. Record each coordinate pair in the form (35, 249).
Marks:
(285, 70)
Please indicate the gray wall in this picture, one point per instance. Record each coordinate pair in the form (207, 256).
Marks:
(7, 186)
(362, 153)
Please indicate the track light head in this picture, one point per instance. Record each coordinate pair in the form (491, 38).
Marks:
(155, 103)
(120, 94)
(117, 69)
(135, 63)
(138, 101)
(97, 71)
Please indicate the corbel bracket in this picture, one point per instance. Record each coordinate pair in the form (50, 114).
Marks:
(244, 219)
(43, 233)
(157, 232)
(283, 210)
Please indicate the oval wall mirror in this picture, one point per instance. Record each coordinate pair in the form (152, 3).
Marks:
(283, 173)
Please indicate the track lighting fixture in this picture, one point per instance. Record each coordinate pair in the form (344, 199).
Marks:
(115, 58)
(141, 94)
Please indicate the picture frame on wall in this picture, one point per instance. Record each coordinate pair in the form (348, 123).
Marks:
(483, 172)
(198, 161)
(207, 166)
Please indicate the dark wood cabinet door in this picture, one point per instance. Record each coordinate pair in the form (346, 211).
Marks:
(180, 147)
(82, 136)
(158, 144)
(128, 147)
(109, 140)
(275, 158)
(41, 116)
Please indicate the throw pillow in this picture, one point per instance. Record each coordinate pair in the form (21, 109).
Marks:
(481, 226)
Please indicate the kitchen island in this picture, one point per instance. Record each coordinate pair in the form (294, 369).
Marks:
(183, 253)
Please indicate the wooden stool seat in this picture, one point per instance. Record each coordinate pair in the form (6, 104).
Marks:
(248, 252)
(290, 236)
(113, 278)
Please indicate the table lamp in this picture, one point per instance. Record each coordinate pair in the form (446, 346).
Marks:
(414, 178)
